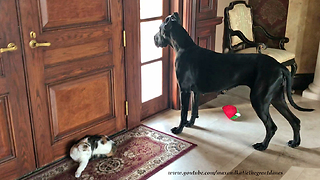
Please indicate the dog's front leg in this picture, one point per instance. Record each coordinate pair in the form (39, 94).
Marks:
(195, 106)
(185, 97)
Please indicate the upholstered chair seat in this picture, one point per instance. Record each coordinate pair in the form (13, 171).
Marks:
(280, 55)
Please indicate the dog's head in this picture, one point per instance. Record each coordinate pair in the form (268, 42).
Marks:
(162, 38)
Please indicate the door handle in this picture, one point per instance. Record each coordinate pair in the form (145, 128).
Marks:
(35, 44)
(10, 47)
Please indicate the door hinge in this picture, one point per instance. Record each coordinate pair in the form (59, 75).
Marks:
(127, 108)
(124, 38)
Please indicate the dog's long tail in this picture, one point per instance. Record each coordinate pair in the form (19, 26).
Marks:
(289, 95)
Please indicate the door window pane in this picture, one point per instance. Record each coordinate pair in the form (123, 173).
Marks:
(151, 81)
(150, 8)
(148, 50)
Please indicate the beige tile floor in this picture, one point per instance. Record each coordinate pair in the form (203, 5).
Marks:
(225, 146)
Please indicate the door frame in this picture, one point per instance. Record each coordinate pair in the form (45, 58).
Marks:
(131, 19)
(132, 61)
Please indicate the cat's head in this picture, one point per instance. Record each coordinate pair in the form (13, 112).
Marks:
(84, 145)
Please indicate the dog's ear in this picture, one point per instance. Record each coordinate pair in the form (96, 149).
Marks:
(175, 17)
(170, 19)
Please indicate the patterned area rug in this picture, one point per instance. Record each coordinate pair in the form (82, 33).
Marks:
(141, 153)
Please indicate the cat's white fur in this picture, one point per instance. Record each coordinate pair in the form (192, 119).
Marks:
(82, 152)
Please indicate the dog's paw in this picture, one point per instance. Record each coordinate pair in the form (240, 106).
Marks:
(176, 130)
(190, 124)
(259, 147)
(192, 121)
(293, 143)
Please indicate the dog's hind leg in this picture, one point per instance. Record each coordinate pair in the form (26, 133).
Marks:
(185, 97)
(260, 102)
(195, 106)
(280, 104)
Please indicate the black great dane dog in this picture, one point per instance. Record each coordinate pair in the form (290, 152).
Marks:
(202, 71)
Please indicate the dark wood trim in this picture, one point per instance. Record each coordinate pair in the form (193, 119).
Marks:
(152, 61)
(176, 6)
(153, 107)
(209, 22)
(132, 61)
(198, 22)
(151, 19)
(189, 17)
(302, 81)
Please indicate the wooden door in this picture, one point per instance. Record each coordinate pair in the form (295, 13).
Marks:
(206, 21)
(201, 23)
(76, 78)
(200, 20)
(16, 146)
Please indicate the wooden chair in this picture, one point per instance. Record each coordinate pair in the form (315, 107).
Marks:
(239, 36)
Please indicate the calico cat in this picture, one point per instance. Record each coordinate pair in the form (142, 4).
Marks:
(91, 147)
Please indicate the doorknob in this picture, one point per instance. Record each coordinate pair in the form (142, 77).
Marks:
(10, 47)
(35, 44)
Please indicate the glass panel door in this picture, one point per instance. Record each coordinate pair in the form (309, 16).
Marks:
(151, 81)
(154, 61)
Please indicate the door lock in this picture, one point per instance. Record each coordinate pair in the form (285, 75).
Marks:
(35, 44)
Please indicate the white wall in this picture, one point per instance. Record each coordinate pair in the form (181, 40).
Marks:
(219, 30)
